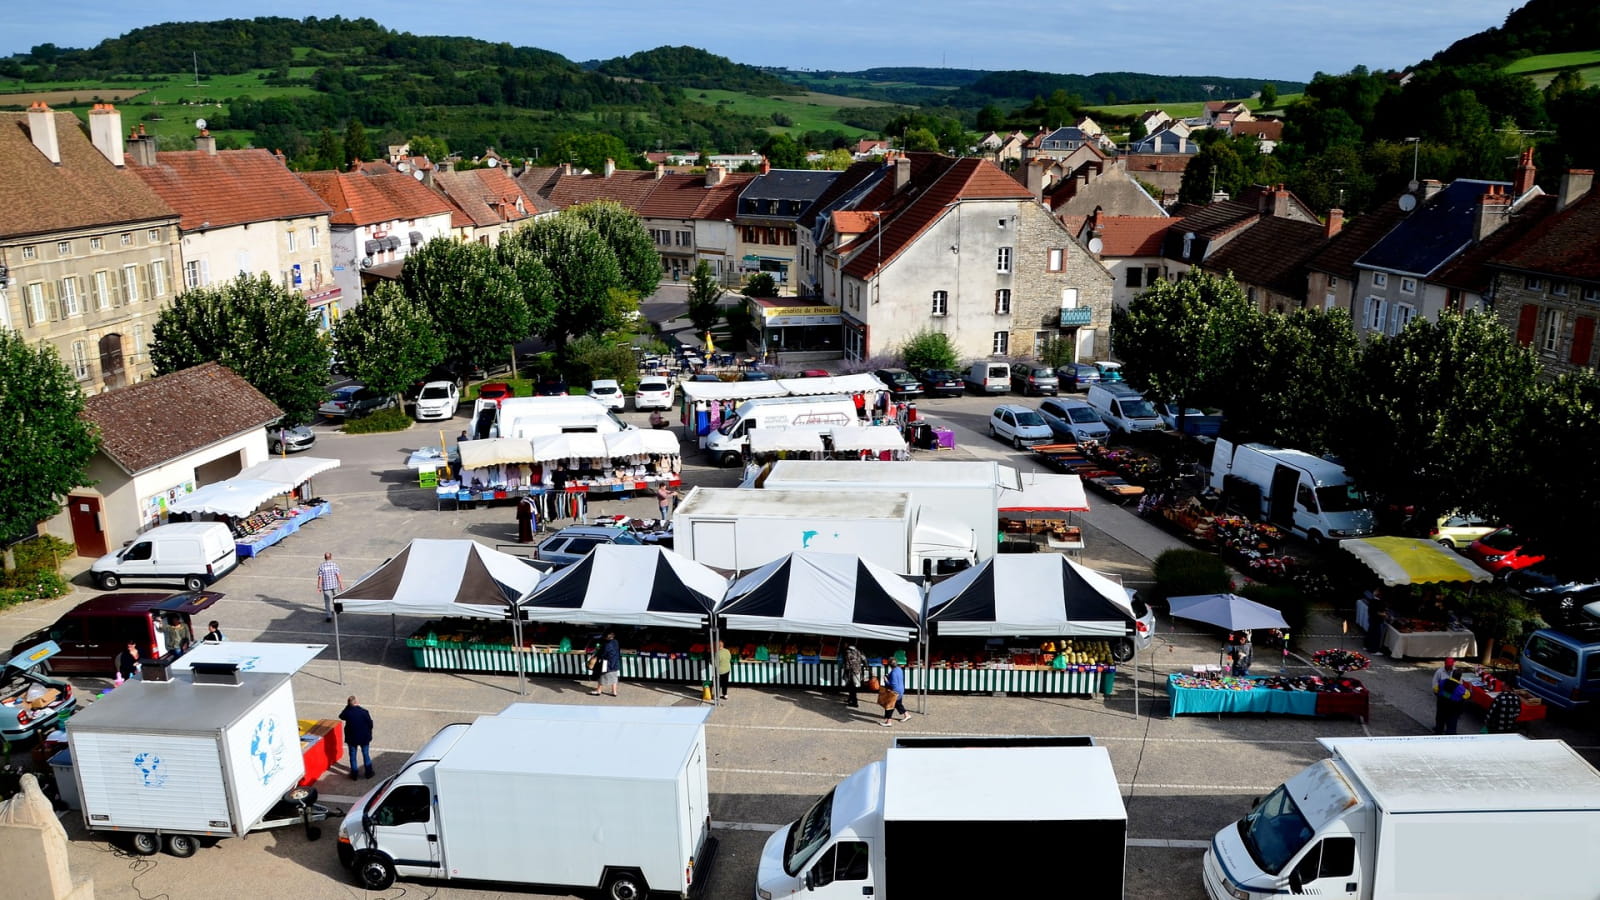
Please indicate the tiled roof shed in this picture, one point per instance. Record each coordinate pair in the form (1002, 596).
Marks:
(153, 422)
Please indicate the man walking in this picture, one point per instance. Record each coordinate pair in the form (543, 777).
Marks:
(855, 666)
(1450, 696)
(329, 582)
(357, 734)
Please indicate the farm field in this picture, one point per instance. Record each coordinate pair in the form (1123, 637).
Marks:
(808, 111)
(1554, 61)
(1178, 110)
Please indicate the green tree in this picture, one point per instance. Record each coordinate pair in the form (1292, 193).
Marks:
(921, 139)
(533, 282)
(1554, 467)
(582, 273)
(258, 329)
(929, 350)
(836, 160)
(475, 301)
(45, 444)
(990, 118)
(628, 239)
(587, 151)
(356, 145)
(1137, 132)
(590, 357)
(1298, 372)
(705, 298)
(1269, 96)
(1177, 339)
(330, 151)
(760, 284)
(431, 147)
(388, 341)
(783, 152)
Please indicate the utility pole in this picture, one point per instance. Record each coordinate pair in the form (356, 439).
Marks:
(196, 54)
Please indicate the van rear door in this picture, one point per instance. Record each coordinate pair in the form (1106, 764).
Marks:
(1280, 508)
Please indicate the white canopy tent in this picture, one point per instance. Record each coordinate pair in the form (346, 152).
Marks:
(705, 391)
(874, 438)
(785, 440)
(582, 445)
(236, 497)
(1044, 493)
(624, 585)
(495, 452)
(295, 470)
(859, 383)
(637, 441)
(808, 592)
(1032, 594)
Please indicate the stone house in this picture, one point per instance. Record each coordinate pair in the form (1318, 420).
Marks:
(1546, 284)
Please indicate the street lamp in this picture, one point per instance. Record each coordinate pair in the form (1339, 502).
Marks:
(1416, 144)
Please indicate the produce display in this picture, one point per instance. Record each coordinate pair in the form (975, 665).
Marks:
(1073, 654)
(1341, 660)
(1313, 683)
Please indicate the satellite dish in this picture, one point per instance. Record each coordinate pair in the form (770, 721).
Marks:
(1096, 245)
(417, 175)
(1408, 202)
(493, 163)
(1412, 185)
(200, 124)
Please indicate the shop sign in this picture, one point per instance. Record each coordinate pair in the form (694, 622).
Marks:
(784, 321)
(771, 312)
(155, 506)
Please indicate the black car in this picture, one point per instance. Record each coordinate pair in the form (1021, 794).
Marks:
(550, 386)
(942, 383)
(901, 384)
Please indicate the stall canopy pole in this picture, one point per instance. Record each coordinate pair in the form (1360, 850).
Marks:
(338, 648)
(516, 645)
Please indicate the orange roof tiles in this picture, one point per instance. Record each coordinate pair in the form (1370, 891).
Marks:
(484, 197)
(1157, 162)
(627, 188)
(229, 187)
(37, 197)
(1133, 235)
(850, 221)
(146, 424)
(369, 199)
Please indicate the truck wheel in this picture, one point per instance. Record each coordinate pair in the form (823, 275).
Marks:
(1316, 539)
(729, 460)
(144, 843)
(181, 845)
(626, 886)
(109, 581)
(194, 583)
(374, 871)
(1122, 650)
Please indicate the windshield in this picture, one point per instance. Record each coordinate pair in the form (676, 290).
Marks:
(808, 834)
(434, 393)
(1080, 415)
(1275, 831)
(1029, 418)
(376, 795)
(1138, 409)
(729, 425)
(938, 375)
(1044, 373)
(603, 389)
(652, 386)
(1340, 498)
(1504, 539)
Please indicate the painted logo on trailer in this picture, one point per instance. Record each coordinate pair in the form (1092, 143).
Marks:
(151, 770)
(267, 747)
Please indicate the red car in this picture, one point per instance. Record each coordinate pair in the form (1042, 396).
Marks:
(1504, 551)
(814, 373)
(495, 390)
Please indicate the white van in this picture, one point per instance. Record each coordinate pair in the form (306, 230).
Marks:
(988, 377)
(193, 553)
(1124, 409)
(728, 443)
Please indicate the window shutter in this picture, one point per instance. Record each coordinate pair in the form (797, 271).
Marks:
(1582, 340)
(1527, 321)
(52, 306)
(205, 273)
(115, 278)
(144, 279)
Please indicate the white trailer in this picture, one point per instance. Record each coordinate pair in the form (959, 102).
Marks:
(611, 798)
(1469, 817)
(530, 417)
(167, 762)
(959, 502)
(1306, 494)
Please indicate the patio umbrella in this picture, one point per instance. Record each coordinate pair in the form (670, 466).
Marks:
(1228, 611)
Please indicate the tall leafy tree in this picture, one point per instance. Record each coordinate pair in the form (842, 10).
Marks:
(45, 444)
(388, 341)
(475, 300)
(705, 298)
(257, 328)
(583, 272)
(356, 145)
(1178, 339)
(629, 241)
(1269, 95)
(1552, 480)
(330, 151)
(1290, 377)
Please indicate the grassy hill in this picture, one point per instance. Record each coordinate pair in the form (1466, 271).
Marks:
(1544, 67)
(806, 111)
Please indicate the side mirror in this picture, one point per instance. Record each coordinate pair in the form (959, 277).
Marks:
(1297, 884)
(810, 879)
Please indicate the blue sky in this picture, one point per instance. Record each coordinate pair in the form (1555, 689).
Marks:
(1285, 39)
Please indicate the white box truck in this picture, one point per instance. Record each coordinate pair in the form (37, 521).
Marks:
(530, 417)
(959, 817)
(1469, 817)
(735, 529)
(1305, 494)
(571, 797)
(727, 445)
(956, 503)
(212, 753)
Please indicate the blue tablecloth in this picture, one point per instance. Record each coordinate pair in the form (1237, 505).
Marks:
(260, 542)
(1184, 701)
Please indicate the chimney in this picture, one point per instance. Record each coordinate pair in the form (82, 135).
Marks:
(611, 167)
(105, 130)
(661, 171)
(1034, 174)
(1097, 223)
(1525, 173)
(765, 166)
(566, 168)
(1430, 187)
(42, 128)
(142, 147)
(1494, 208)
(715, 174)
(1275, 202)
(902, 173)
(1335, 221)
(207, 144)
(1574, 185)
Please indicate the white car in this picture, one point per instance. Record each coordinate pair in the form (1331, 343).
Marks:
(607, 391)
(1018, 426)
(437, 400)
(653, 393)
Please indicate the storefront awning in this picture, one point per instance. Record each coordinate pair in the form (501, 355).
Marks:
(374, 247)
(785, 440)
(416, 237)
(391, 243)
(1398, 560)
(295, 470)
(237, 497)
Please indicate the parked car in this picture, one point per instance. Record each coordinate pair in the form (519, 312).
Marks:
(902, 385)
(550, 386)
(1019, 426)
(1195, 422)
(353, 401)
(1457, 529)
(755, 375)
(91, 634)
(438, 400)
(571, 544)
(942, 383)
(1073, 421)
(987, 377)
(1144, 629)
(814, 373)
(496, 391)
(1033, 378)
(1076, 377)
(1109, 371)
(607, 391)
(290, 438)
(1502, 551)
(703, 377)
(30, 703)
(1562, 664)
(653, 392)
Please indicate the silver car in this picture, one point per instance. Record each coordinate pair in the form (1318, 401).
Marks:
(574, 542)
(290, 438)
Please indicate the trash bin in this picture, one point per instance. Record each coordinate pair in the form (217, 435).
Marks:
(1108, 682)
(66, 779)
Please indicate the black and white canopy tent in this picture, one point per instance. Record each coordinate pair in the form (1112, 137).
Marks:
(441, 578)
(625, 585)
(809, 592)
(1038, 593)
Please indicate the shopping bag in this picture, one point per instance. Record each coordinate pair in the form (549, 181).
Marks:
(873, 684)
(887, 698)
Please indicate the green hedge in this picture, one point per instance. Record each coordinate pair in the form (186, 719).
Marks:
(1180, 573)
(1286, 599)
(391, 419)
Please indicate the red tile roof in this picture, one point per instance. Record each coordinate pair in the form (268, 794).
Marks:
(1157, 162)
(1565, 244)
(1270, 254)
(153, 422)
(1133, 235)
(229, 187)
(370, 199)
(85, 190)
(485, 197)
(850, 221)
(1266, 130)
(627, 188)
(1469, 271)
(375, 167)
(539, 179)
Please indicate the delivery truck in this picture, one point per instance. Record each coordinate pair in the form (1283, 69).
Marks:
(209, 753)
(564, 797)
(959, 499)
(959, 817)
(736, 529)
(1305, 494)
(531, 417)
(728, 444)
(1469, 817)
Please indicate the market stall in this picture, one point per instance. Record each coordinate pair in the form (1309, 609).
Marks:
(1044, 510)
(881, 442)
(772, 444)
(1410, 626)
(1486, 688)
(1044, 595)
(562, 472)
(703, 405)
(1207, 693)
(243, 502)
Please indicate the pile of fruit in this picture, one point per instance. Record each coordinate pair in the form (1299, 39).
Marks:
(1079, 653)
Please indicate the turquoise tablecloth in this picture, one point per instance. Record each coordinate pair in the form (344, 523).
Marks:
(1184, 701)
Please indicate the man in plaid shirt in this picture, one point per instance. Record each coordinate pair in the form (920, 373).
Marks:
(329, 582)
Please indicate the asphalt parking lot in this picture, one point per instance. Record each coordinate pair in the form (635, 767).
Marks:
(772, 750)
